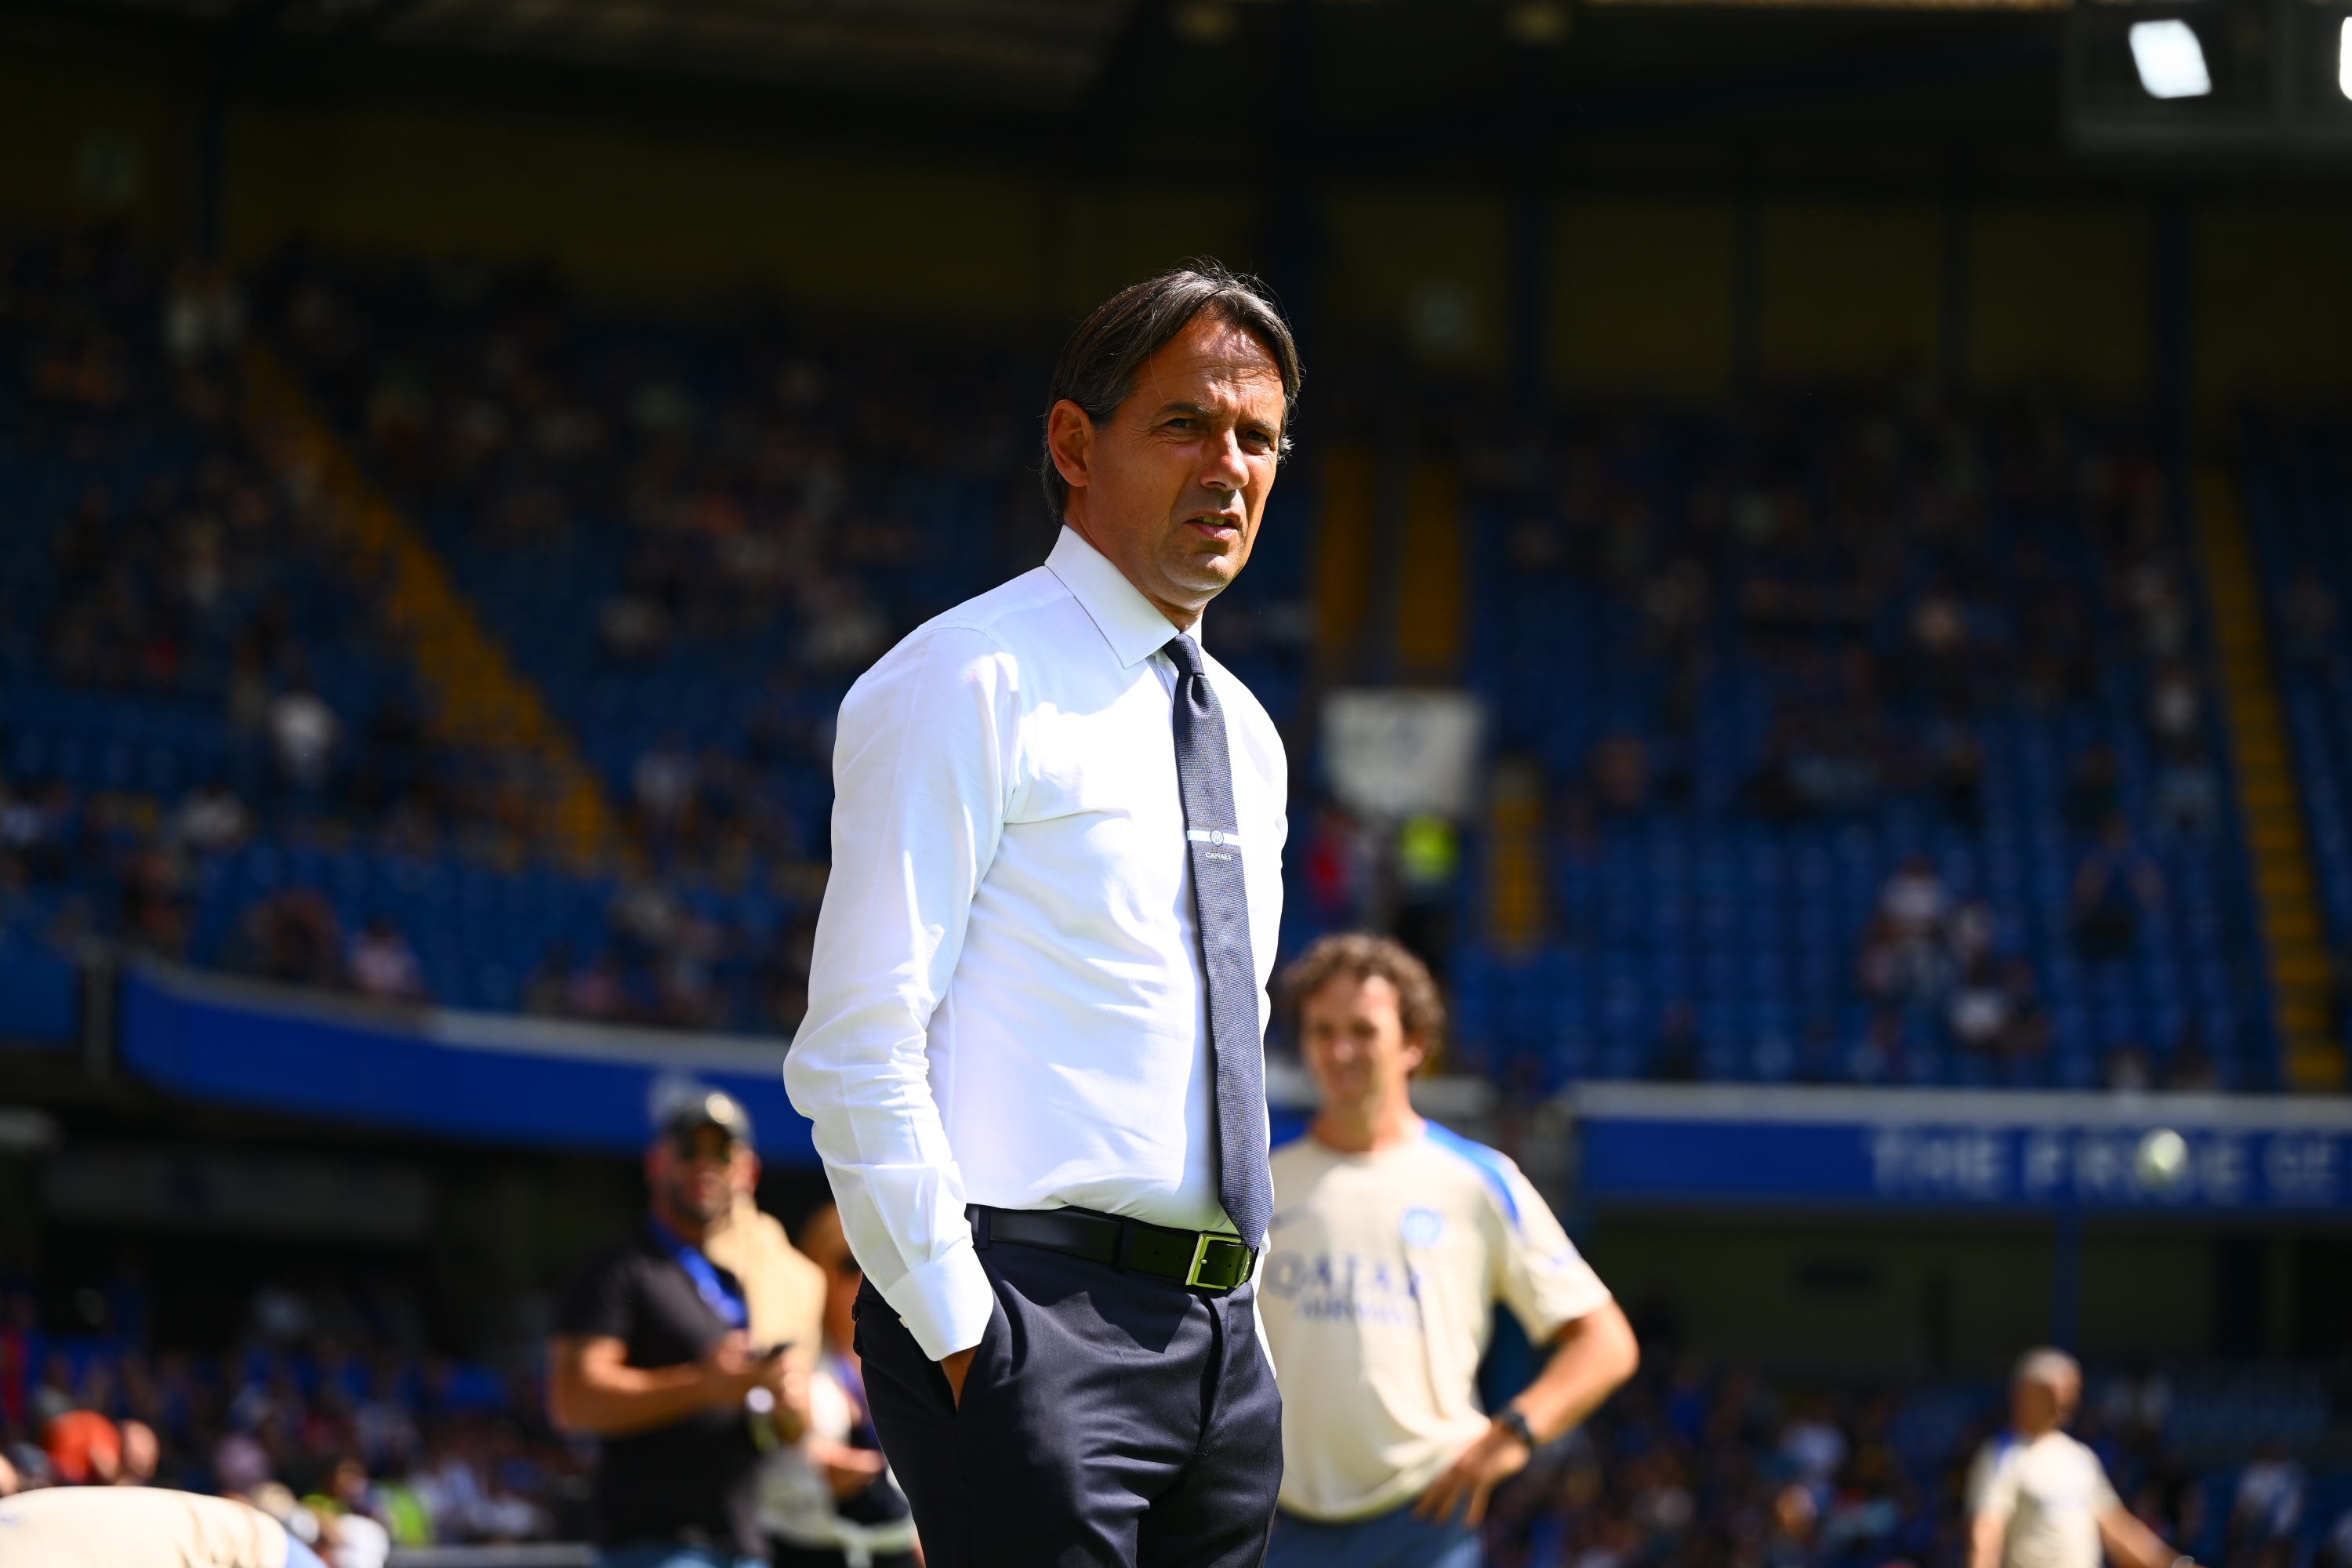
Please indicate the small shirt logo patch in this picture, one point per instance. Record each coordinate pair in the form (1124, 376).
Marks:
(1421, 1228)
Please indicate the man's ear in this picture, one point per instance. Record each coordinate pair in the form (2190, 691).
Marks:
(1070, 441)
(1413, 1054)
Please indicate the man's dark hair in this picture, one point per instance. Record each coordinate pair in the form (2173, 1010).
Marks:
(1099, 364)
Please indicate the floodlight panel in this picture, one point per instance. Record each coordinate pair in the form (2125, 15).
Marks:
(2170, 60)
(2344, 59)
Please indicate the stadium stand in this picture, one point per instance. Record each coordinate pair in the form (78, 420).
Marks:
(2297, 488)
(1879, 748)
(1866, 740)
(1856, 739)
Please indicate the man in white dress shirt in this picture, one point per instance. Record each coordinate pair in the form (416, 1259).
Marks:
(1033, 1051)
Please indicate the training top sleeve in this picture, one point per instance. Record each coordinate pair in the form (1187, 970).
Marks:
(2104, 1500)
(1540, 1275)
(1992, 1484)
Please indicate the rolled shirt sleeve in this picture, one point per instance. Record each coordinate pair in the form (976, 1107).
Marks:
(923, 769)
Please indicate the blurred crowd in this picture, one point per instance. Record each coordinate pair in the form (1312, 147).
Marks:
(1871, 619)
(316, 1417)
(354, 1444)
(1818, 612)
(763, 509)
(160, 561)
(1700, 1467)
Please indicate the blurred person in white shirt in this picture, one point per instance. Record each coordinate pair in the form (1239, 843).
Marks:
(1392, 1241)
(2269, 1503)
(81, 1527)
(2039, 1499)
(384, 966)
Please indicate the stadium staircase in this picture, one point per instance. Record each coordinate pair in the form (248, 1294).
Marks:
(1343, 563)
(1430, 596)
(2268, 799)
(1515, 861)
(479, 699)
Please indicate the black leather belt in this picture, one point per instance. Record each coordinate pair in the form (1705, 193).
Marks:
(1203, 1259)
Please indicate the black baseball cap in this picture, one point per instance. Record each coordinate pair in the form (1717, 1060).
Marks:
(701, 1106)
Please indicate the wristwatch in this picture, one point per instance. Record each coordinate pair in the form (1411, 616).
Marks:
(1510, 1419)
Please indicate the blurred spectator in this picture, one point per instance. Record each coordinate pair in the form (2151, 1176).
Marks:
(142, 1453)
(2190, 1069)
(1332, 868)
(1621, 773)
(1979, 1014)
(665, 784)
(292, 936)
(84, 1449)
(2094, 788)
(2187, 793)
(2175, 709)
(2335, 1551)
(2128, 1069)
(631, 627)
(211, 819)
(2267, 1506)
(2115, 885)
(303, 734)
(1679, 1045)
(1957, 769)
(2310, 615)
(382, 966)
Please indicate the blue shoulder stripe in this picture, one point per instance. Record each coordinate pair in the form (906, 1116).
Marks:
(1484, 1161)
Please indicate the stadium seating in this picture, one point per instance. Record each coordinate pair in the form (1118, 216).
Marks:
(1750, 909)
(2296, 481)
(1705, 637)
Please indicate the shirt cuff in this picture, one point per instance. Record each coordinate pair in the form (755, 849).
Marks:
(946, 1304)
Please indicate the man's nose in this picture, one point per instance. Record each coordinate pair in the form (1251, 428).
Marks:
(1225, 469)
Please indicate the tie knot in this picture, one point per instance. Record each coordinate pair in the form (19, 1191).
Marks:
(1183, 653)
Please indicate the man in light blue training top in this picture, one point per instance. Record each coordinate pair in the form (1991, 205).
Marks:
(1392, 1239)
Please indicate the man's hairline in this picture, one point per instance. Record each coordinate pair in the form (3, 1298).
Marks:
(1221, 312)
(1411, 1036)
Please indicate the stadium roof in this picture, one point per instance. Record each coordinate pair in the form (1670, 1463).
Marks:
(1032, 53)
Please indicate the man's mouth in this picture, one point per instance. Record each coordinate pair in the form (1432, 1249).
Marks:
(1215, 525)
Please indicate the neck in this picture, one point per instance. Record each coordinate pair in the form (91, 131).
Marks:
(689, 1229)
(1180, 616)
(1378, 1121)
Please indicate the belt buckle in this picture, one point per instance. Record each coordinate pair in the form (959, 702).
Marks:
(1201, 1246)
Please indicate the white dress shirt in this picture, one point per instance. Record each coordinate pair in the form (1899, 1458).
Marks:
(1006, 1002)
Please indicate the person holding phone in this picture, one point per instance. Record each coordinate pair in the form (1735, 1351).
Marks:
(652, 1354)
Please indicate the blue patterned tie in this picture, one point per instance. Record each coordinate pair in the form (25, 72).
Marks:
(1204, 775)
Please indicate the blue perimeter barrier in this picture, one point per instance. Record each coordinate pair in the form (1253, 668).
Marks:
(1703, 1145)
(41, 995)
(463, 1075)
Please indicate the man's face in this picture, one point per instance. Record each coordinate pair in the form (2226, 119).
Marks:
(1171, 488)
(696, 1171)
(1353, 1037)
(2037, 1406)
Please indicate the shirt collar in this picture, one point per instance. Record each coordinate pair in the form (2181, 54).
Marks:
(1132, 625)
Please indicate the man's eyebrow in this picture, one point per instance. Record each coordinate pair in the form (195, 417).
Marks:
(1202, 411)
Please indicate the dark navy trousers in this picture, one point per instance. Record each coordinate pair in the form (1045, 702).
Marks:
(1110, 1420)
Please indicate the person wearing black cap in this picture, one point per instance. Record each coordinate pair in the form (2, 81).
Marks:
(651, 1354)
